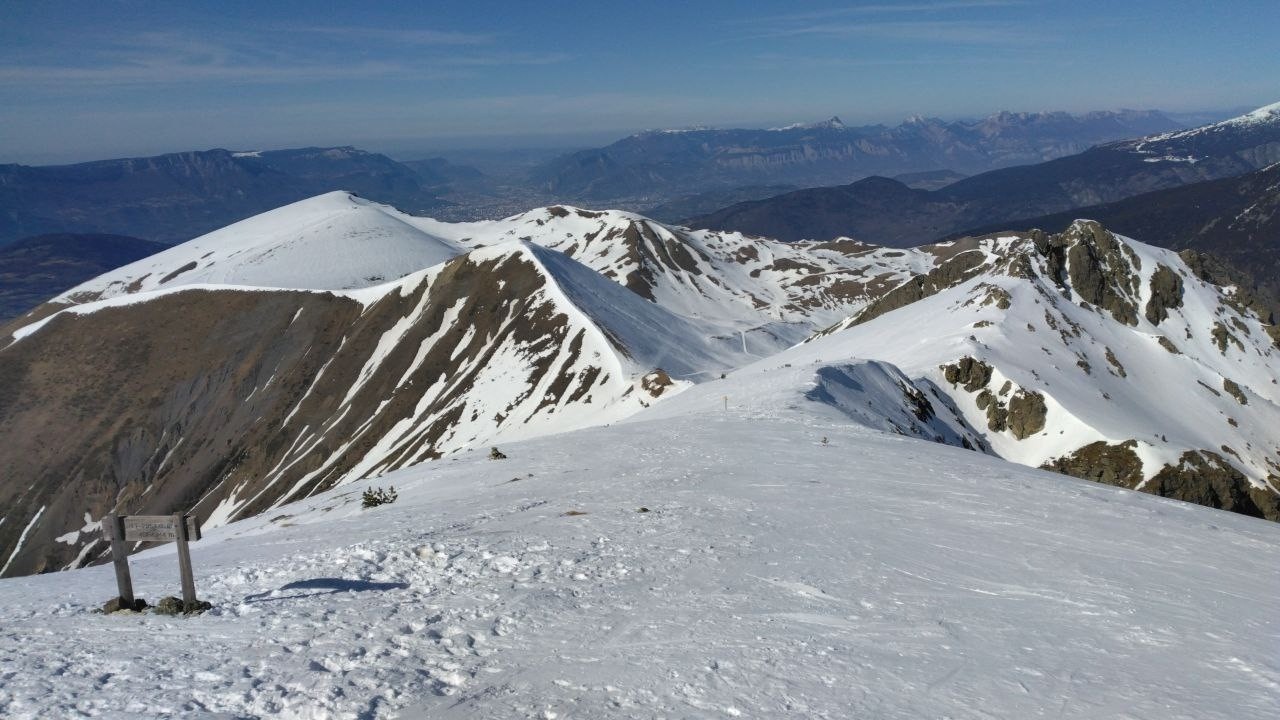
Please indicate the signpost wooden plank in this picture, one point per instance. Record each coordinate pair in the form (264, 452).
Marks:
(158, 528)
(178, 527)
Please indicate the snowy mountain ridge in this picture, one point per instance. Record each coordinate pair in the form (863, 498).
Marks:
(1189, 145)
(1048, 350)
(775, 293)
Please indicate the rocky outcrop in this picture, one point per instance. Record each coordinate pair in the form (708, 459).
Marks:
(997, 413)
(1102, 462)
(1206, 478)
(968, 372)
(1027, 413)
(1233, 389)
(1202, 477)
(949, 273)
(1166, 294)
(1102, 270)
(1023, 413)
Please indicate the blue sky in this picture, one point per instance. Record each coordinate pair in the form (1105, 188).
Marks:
(83, 80)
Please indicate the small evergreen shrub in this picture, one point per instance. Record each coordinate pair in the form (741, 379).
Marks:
(375, 496)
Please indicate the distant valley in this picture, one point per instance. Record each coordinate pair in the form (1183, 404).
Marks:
(36, 269)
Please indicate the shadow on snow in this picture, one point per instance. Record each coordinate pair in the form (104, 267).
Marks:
(324, 586)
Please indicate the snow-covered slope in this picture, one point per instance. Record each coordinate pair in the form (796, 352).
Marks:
(769, 575)
(233, 401)
(329, 242)
(1095, 354)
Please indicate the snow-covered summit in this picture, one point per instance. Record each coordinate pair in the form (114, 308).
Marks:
(832, 123)
(1266, 113)
(332, 241)
(1265, 119)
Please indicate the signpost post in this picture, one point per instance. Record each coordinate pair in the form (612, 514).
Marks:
(177, 527)
(114, 526)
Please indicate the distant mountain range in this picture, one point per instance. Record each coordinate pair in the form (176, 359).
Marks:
(888, 212)
(826, 153)
(173, 198)
(674, 174)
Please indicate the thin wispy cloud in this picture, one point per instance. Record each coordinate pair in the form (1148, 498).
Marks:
(958, 32)
(159, 72)
(952, 22)
(500, 59)
(160, 58)
(884, 9)
(401, 36)
(773, 60)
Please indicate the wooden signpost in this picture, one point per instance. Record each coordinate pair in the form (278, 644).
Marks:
(177, 527)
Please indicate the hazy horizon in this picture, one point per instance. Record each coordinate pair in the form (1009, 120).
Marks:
(120, 79)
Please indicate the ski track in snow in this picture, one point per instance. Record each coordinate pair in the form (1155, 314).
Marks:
(876, 576)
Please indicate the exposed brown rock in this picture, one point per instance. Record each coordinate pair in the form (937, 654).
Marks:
(1247, 297)
(1027, 414)
(953, 271)
(997, 412)
(1101, 462)
(1098, 268)
(185, 268)
(656, 382)
(1205, 478)
(115, 605)
(170, 605)
(1115, 363)
(177, 402)
(1233, 389)
(1166, 294)
(1221, 336)
(970, 372)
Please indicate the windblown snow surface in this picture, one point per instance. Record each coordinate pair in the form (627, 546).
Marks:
(774, 574)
